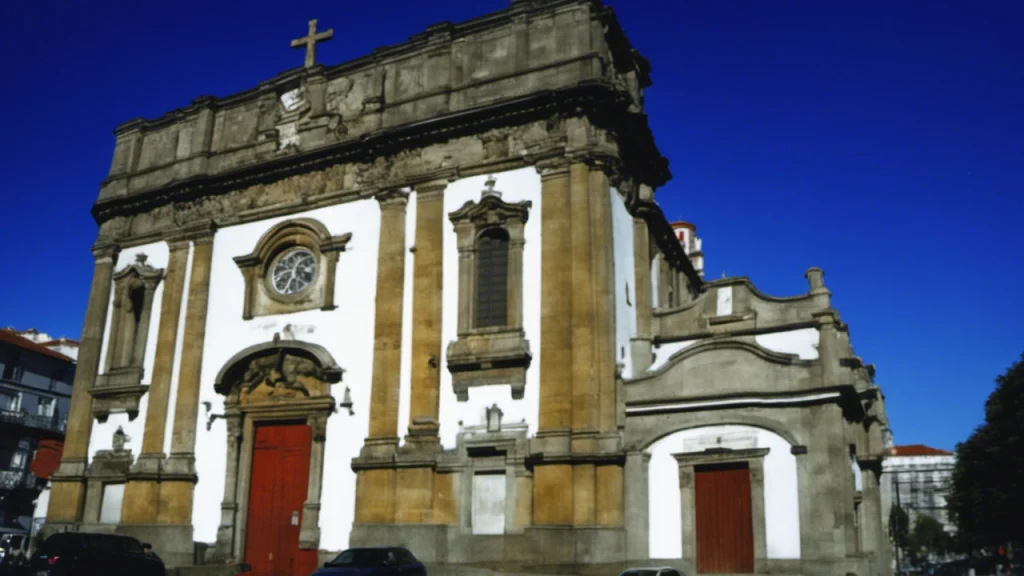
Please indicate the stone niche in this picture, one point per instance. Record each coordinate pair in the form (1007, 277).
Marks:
(120, 387)
(491, 348)
(294, 247)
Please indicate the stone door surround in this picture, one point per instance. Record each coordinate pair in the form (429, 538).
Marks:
(281, 382)
(689, 462)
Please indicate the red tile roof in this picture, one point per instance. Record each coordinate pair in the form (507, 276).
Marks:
(11, 338)
(917, 450)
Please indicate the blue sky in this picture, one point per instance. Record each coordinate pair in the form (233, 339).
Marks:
(879, 140)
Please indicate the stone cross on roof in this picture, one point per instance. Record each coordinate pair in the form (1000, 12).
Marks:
(309, 42)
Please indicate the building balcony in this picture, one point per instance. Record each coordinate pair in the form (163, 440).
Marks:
(37, 421)
(15, 479)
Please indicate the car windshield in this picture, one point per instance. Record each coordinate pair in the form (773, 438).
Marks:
(361, 558)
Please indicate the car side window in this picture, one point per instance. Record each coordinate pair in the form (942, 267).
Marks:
(404, 557)
(132, 546)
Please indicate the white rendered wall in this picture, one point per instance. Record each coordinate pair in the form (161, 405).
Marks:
(781, 503)
(803, 342)
(102, 436)
(665, 352)
(346, 333)
(625, 284)
(515, 186)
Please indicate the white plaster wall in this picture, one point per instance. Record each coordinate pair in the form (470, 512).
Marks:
(515, 186)
(102, 436)
(665, 352)
(781, 504)
(405, 391)
(803, 342)
(346, 333)
(625, 284)
(179, 344)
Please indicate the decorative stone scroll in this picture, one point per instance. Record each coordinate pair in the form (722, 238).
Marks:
(495, 351)
(120, 387)
(290, 238)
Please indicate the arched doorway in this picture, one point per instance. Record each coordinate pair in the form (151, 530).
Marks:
(695, 470)
(277, 401)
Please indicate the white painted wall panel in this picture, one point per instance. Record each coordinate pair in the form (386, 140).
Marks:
(781, 503)
(663, 353)
(625, 285)
(102, 436)
(515, 186)
(110, 505)
(346, 332)
(488, 504)
(803, 342)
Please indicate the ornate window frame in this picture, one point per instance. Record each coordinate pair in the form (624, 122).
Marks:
(261, 299)
(120, 387)
(494, 355)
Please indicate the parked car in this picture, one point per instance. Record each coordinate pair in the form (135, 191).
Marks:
(77, 553)
(663, 571)
(382, 561)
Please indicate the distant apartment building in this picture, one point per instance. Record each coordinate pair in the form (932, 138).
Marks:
(35, 393)
(917, 478)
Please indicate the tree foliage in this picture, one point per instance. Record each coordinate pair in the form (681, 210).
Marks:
(929, 538)
(899, 528)
(985, 499)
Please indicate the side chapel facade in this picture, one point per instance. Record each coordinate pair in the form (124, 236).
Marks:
(426, 297)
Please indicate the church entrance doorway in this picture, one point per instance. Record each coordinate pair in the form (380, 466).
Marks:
(725, 531)
(277, 490)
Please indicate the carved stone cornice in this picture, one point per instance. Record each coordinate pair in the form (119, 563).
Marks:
(392, 197)
(103, 250)
(601, 102)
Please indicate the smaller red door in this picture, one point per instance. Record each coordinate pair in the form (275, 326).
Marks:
(277, 490)
(725, 528)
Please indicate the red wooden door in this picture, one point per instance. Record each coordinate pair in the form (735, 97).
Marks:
(280, 475)
(725, 529)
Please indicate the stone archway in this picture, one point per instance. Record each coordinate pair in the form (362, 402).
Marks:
(279, 382)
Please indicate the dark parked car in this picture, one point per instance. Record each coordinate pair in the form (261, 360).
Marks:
(390, 561)
(664, 571)
(75, 553)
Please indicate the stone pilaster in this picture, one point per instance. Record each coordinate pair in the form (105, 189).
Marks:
(604, 299)
(584, 376)
(387, 337)
(875, 540)
(67, 496)
(553, 483)
(427, 285)
(179, 478)
(142, 491)
(309, 532)
(637, 507)
(556, 300)
(641, 344)
(376, 488)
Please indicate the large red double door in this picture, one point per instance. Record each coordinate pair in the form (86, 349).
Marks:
(277, 490)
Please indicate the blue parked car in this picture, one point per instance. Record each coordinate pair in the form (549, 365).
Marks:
(383, 561)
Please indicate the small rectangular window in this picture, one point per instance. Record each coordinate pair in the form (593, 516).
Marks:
(45, 407)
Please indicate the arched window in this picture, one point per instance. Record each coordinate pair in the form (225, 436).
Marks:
(492, 279)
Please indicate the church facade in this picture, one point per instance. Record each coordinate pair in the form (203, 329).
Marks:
(426, 298)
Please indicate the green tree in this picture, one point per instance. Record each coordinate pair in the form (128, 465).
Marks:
(929, 538)
(985, 501)
(899, 528)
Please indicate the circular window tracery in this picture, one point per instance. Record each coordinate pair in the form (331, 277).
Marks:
(294, 271)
